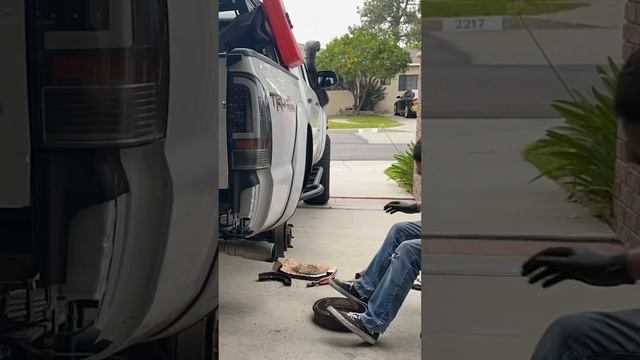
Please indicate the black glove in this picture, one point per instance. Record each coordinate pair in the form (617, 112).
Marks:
(408, 207)
(564, 263)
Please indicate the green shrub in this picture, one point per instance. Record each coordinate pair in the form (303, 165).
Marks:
(402, 170)
(374, 95)
(580, 155)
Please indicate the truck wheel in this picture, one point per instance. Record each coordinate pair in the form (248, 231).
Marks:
(325, 162)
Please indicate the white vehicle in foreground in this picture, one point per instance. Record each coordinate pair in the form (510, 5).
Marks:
(108, 192)
(274, 136)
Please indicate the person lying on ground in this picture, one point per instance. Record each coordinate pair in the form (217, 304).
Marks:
(387, 280)
(596, 335)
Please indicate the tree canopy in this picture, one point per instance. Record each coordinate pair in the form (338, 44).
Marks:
(399, 19)
(362, 59)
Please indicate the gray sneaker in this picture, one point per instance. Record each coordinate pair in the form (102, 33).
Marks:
(352, 322)
(347, 289)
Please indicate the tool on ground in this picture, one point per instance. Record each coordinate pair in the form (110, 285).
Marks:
(323, 281)
(275, 276)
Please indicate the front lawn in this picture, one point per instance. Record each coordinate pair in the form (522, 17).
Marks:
(361, 122)
(462, 8)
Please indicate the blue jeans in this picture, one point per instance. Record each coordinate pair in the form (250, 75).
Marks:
(390, 275)
(592, 336)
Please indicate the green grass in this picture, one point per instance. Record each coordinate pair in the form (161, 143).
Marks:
(455, 8)
(361, 122)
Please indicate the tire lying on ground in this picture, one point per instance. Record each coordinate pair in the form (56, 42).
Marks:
(325, 162)
(323, 318)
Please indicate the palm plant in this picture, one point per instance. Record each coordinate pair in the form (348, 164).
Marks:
(402, 170)
(581, 154)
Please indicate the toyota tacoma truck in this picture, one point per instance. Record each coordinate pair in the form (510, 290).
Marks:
(275, 134)
(111, 135)
(108, 192)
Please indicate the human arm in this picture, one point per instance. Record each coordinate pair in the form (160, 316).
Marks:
(408, 207)
(554, 265)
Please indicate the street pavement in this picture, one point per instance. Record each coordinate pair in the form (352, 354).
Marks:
(488, 91)
(372, 144)
(503, 74)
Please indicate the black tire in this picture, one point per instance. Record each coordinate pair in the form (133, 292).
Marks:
(325, 162)
(395, 109)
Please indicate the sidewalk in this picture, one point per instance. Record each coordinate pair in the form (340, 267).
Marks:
(366, 179)
(475, 182)
(516, 47)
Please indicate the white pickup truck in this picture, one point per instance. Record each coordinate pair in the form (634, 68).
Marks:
(109, 141)
(275, 133)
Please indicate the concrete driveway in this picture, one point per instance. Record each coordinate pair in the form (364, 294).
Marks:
(266, 320)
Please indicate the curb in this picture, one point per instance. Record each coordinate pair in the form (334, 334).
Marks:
(511, 23)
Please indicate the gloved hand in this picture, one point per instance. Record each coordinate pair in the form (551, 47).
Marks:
(408, 207)
(564, 263)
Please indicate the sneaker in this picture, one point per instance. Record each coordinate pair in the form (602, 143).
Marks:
(352, 322)
(347, 289)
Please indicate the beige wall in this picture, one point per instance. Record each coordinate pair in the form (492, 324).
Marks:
(338, 99)
(341, 99)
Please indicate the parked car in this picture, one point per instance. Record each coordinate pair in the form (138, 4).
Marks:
(108, 193)
(405, 105)
(275, 133)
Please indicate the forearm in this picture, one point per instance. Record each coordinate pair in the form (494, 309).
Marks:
(633, 263)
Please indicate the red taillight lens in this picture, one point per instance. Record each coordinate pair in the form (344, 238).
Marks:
(102, 72)
(251, 144)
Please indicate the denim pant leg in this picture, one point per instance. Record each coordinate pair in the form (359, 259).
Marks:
(393, 288)
(592, 336)
(378, 266)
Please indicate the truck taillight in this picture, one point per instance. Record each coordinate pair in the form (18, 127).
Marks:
(101, 72)
(249, 123)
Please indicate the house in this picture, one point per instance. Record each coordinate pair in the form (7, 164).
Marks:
(339, 100)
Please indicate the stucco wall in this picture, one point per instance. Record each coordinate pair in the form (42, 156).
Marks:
(341, 99)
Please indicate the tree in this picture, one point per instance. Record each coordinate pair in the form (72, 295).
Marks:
(362, 59)
(398, 18)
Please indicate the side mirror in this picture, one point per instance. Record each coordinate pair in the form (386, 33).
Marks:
(397, 97)
(327, 79)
